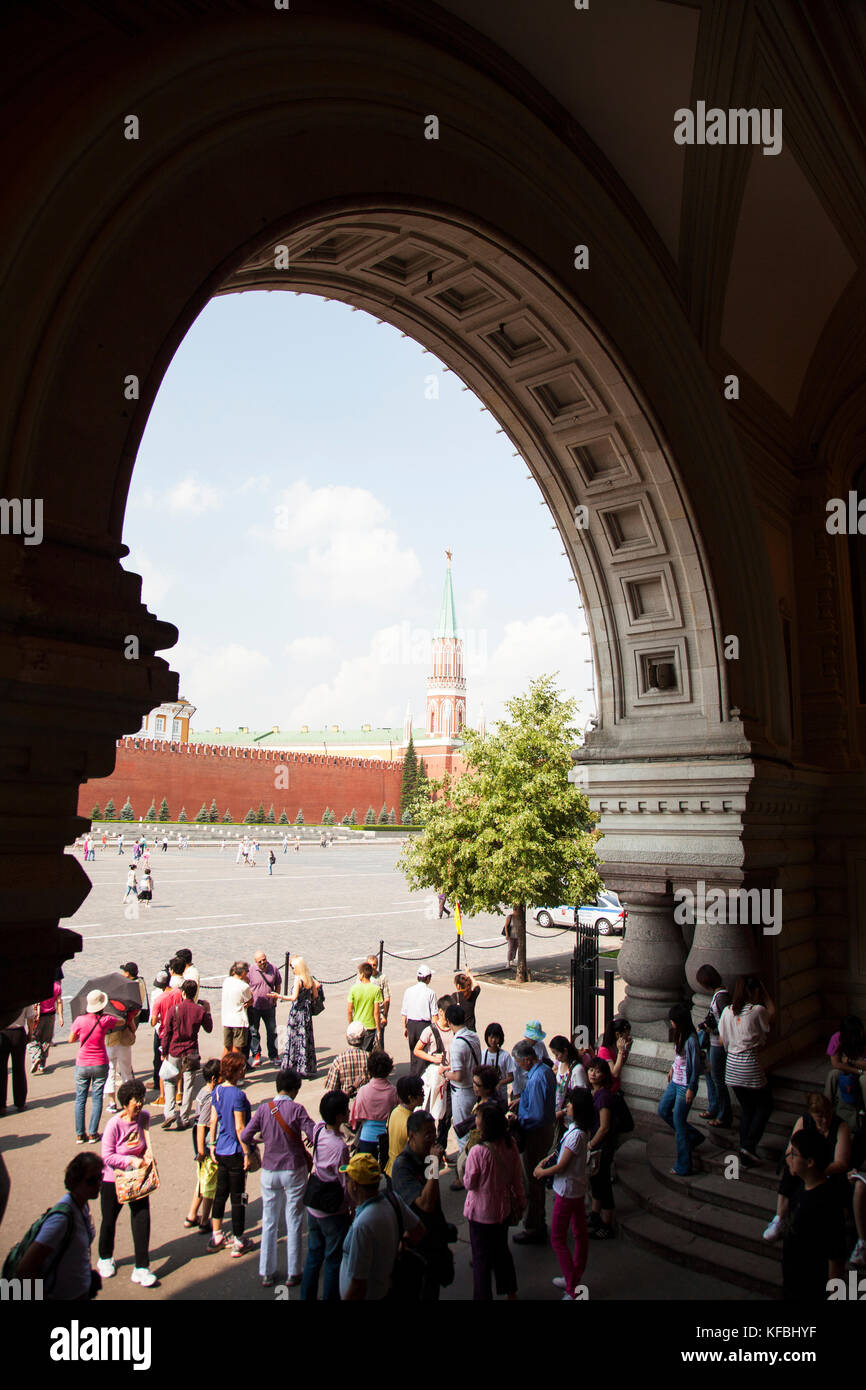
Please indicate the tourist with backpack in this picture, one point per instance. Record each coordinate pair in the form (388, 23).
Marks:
(382, 1223)
(682, 1087)
(56, 1248)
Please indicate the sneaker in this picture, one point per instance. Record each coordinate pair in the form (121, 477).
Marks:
(106, 1269)
(168, 1122)
(858, 1255)
(751, 1160)
(239, 1247)
(558, 1282)
(94, 1138)
(216, 1243)
(774, 1230)
(602, 1233)
(567, 1298)
(34, 1067)
(81, 1138)
(256, 1061)
(144, 1277)
(112, 1109)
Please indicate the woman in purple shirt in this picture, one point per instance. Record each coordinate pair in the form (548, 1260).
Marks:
(326, 1230)
(126, 1144)
(280, 1123)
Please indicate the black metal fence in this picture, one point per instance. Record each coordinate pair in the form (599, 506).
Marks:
(591, 1003)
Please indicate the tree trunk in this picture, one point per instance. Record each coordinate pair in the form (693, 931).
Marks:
(519, 920)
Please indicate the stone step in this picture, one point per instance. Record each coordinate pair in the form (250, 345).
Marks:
(704, 1205)
(759, 1276)
(765, 1176)
(710, 1187)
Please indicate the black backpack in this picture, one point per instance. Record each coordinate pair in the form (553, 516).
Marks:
(10, 1264)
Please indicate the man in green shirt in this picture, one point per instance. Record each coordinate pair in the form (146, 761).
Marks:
(364, 1004)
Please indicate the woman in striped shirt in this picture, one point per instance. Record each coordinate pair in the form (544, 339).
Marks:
(743, 1029)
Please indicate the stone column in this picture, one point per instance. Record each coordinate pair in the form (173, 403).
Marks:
(652, 956)
(71, 683)
(728, 945)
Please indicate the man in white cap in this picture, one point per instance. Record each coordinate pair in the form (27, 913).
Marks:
(417, 1010)
(351, 1069)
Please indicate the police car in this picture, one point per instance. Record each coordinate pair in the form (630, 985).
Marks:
(607, 913)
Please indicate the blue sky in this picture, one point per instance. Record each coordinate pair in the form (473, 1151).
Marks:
(296, 488)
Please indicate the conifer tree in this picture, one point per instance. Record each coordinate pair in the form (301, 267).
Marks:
(345, 821)
(227, 818)
(284, 820)
(202, 817)
(269, 818)
(383, 815)
(95, 813)
(110, 810)
(299, 818)
(183, 815)
(260, 814)
(164, 813)
(150, 814)
(392, 816)
(370, 818)
(409, 784)
(126, 811)
(250, 817)
(213, 815)
(353, 817)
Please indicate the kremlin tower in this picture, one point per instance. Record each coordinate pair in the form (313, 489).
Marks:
(446, 687)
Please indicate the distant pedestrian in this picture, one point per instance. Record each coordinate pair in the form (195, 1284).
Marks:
(443, 911)
(131, 884)
(417, 1009)
(165, 845)
(120, 844)
(281, 1123)
(297, 844)
(125, 1145)
(145, 892)
(285, 844)
(272, 859)
(299, 1048)
(48, 1014)
(326, 1230)
(510, 932)
(59, 1255)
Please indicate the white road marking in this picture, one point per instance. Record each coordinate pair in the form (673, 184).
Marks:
(225, 926)
(202, 915)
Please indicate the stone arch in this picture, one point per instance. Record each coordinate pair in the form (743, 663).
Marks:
(242, 141)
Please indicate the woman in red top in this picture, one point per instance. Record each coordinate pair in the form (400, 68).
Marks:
(614, 1048)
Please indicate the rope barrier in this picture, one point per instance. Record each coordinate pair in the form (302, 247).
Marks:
(449, 947)
(344, 981)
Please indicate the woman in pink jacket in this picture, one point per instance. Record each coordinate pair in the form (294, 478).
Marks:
(495, 1198)
(126, 1144)
(91, 1062)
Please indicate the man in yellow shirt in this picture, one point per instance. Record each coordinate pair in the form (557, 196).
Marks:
(410, 1089)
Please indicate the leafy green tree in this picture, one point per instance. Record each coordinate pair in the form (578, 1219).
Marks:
(213, 814)
(284, 820)
(383, 815)
(299, 818)
(95, 813)
(353, 817)
(409, 785)
(269, 818)
(150, 814)
(126, 811)
(110, 810)
(260, 814)
(227, 818)
(164, 813)
(370, 818)
(250, 817)
(202, 818)
(512, 829)
(183, 815)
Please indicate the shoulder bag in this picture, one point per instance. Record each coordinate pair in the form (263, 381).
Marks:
(317, 1005)
(323, 1196)
(291, 1131)
(132, 1184)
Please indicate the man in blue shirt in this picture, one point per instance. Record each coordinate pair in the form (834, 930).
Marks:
(537, 1116)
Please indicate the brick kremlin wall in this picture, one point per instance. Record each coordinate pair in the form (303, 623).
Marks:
(191, 773)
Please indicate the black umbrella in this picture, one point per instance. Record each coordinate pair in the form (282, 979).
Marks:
(123, 995)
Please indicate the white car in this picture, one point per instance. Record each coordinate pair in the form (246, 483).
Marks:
(607, 913)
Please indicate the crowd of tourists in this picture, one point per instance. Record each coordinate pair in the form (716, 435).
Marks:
(525, 1129)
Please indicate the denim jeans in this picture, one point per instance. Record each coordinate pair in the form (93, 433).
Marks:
(674, 1110)
(718, 1095)
(84, 1077)
(462, 1101)
(269, 1018)
(325, 1237)
(287, 1186)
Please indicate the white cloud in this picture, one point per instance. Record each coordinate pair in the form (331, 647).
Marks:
(155, 581)
(191, 496)
(310, 649)
(256, 482)
(347, 552)
(229, 685)
(530, 648)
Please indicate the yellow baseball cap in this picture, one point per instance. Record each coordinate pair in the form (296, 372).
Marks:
(363, 1169)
